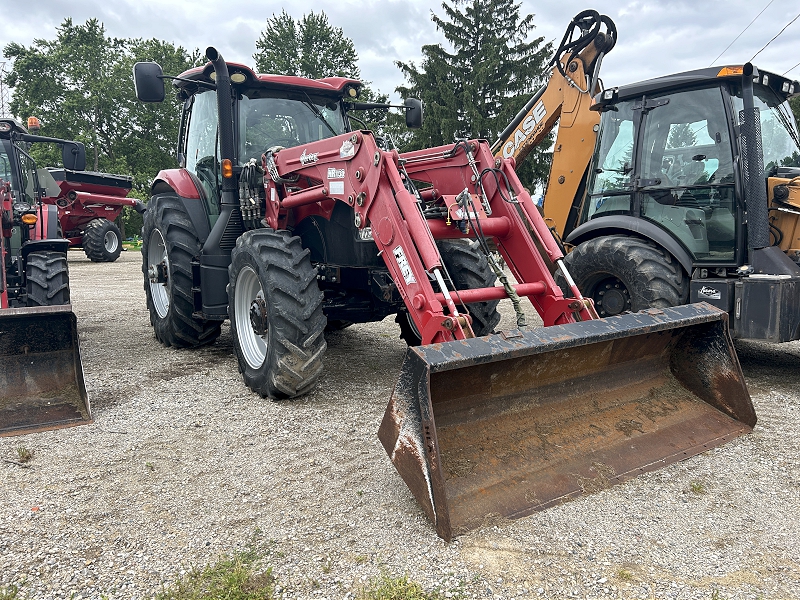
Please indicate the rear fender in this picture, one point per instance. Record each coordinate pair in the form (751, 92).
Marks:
(51, 245)
(179, 182)
(46, 227)
(621, 224)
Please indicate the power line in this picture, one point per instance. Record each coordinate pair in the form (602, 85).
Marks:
(743, 30)
(793, 68)
(776, 37)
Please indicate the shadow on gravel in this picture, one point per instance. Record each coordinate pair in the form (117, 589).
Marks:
(779, 363)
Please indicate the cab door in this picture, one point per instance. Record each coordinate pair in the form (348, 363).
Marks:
(684, 180)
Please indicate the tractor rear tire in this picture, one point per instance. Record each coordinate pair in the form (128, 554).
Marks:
(275, 310)
(623, 273)
(47, 279)
(102, 241)
(169, 242)
(469, 268)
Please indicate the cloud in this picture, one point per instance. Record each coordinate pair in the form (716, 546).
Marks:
(655, 38)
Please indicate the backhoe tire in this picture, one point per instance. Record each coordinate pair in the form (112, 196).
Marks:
(623, 273)
(469, 268)
(47, 279)
(275, 309)
(102, 241)
(169, 242)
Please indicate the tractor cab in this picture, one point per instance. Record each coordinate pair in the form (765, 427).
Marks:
(270, 112)
(668, 152)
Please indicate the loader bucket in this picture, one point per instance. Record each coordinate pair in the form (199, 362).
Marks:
(41, 377)
(500, 426)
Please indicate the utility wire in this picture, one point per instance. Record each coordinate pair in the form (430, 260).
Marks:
(743, 30)
(793, 68)
(776, 37)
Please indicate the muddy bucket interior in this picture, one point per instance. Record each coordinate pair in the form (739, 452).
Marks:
(500, 426)
(41, 377)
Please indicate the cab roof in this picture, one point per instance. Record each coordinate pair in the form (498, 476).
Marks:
(785, 88)
(335, 87)
(7, 125)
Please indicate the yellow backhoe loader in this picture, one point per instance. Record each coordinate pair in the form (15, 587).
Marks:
(679, 189)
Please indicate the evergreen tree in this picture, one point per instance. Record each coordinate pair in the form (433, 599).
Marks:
(474, 89)
(681, 135)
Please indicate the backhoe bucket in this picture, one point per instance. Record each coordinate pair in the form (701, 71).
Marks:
(41, 376)
(503, 425)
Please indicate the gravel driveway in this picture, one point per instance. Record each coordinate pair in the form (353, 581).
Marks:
(184, 463)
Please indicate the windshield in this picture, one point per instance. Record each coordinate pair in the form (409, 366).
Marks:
(779, 136)
(5, 163)
(268, 122)
(613, 161)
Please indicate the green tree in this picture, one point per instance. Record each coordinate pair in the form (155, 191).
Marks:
(79, 85)
(310, 47)
(474, 88)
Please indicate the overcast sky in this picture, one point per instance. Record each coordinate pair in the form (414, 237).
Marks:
(655, 37)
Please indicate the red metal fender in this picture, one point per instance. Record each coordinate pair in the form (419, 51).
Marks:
(179, 180)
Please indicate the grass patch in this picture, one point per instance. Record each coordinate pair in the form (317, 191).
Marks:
(24, 455)
(134, 243)
(10, 593)
(397, 588)
(234, 577)
(697, 487)
(624, 575)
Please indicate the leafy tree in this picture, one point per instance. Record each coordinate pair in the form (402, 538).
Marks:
(312, 47)
(475, 88)
(79, 85)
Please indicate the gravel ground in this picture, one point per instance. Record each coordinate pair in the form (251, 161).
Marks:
(184, 463)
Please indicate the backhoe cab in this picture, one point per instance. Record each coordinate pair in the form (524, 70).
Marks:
(695, 174)
(678, 189)
(291, 223)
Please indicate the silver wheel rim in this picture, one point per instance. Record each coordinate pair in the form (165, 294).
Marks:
(157, 254)
(111, 242)
(252, 345)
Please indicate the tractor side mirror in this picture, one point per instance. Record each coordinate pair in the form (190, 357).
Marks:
(148, 80)
(73, 155)
(413, 113)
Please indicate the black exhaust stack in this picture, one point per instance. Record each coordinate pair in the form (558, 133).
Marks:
(762, 256)
(216, 255)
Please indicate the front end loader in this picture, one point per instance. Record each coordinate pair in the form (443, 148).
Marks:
(41, 376)
(296, 223)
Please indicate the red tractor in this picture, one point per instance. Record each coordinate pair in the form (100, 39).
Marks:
(289, 221)
(41, 377)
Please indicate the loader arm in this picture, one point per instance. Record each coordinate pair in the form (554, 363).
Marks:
(564, 100)
(377, 184)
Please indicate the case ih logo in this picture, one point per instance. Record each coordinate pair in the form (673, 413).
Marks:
(335, 173)
(307, 159)
(525, 129)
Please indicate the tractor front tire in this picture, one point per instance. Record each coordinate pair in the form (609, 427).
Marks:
(47, 279)
(169, 243)
(623, 273)
(470, 269)
(102, 241)
(275, 310)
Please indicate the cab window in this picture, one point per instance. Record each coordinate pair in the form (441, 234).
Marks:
(202, 147)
